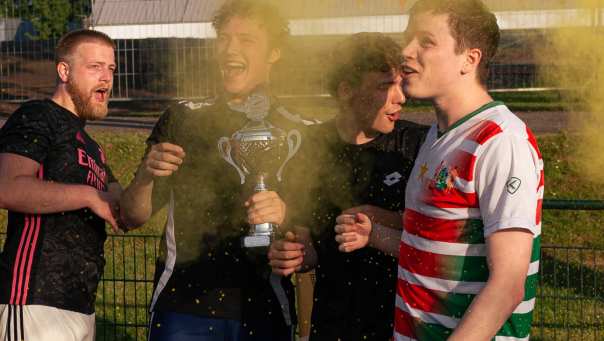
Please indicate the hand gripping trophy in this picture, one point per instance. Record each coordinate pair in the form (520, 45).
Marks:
(260, 151)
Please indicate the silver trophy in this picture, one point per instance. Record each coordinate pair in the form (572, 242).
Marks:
(260, 151)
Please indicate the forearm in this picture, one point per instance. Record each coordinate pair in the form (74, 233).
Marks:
(489, 311)
(382, 216)
(136, 204)
(28, 194)
(387, 218)
(508, 256)
(385, 239)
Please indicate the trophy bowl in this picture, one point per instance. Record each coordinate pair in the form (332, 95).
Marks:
(260, 151)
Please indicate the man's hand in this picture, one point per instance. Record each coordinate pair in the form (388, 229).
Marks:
(115, 191)
(378, 215)
(265, 207)
(286, 255)
(163, 159)
(352, 231)
(136, 205)
(106, 206)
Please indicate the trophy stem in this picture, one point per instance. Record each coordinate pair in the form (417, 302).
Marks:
(260, 183)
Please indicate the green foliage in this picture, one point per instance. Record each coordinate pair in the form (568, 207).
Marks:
(49, 18)
(7, 8)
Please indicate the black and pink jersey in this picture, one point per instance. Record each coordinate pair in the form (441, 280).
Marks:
(54, 259)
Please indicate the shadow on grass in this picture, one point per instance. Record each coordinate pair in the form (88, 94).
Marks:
(110, 331)
(569, 302)
(579, 271)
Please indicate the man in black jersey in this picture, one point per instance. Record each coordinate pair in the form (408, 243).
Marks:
(365, 155)
(59, 192)
(207, 286)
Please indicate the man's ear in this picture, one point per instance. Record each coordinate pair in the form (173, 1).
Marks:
(473, 58)
(274, 56)
(344, 91)
(63, 71)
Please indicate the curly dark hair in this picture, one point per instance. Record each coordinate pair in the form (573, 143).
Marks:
(267, 15)
(361, 53)
(472, 25)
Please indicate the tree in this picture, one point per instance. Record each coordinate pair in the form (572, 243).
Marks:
(50, 18)
(7, 8)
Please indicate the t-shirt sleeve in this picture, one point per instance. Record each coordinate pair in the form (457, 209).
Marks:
(163, 131)
(27, 133)
(507, 178)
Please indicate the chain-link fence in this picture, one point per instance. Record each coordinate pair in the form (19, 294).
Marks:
(156, 69)
(569, 298)
(569, 302)
(174, 59)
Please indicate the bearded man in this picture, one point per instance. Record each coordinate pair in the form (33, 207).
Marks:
(59, 192)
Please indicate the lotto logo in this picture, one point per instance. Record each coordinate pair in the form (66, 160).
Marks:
(393, 178)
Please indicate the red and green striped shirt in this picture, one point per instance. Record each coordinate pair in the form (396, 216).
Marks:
(483, 175)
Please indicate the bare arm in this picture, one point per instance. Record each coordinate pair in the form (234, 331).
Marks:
(386, 239)
(509, 253)
(379, 215)
(355, 231)
(136, 204)
(22, 191)
(115, 191)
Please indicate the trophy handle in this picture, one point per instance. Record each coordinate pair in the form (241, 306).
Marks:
(224, 147)
(294, 145)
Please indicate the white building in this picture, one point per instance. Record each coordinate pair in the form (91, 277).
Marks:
(9, 29)
(136, 19)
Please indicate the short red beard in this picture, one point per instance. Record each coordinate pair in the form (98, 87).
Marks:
(84, 106)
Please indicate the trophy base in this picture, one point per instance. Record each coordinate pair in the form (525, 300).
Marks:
(256, 241)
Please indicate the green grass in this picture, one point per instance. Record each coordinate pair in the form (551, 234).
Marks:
(564, 180)
(574, 276)
(324, 107)
(570, 295)
(547, 100)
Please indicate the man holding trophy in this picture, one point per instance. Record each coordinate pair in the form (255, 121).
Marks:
(209, 163)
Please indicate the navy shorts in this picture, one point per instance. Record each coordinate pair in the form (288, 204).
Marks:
(169, 326)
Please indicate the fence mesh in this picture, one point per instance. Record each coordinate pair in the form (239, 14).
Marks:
(569, 298)
(174, 62)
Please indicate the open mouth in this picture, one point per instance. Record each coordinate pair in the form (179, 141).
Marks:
(395, 116)
(233, 68)
(408, 70)
(101, 94)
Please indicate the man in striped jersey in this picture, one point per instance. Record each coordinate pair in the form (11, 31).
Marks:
(469, 251)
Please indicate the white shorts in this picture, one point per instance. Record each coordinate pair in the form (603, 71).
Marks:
(43, 323)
